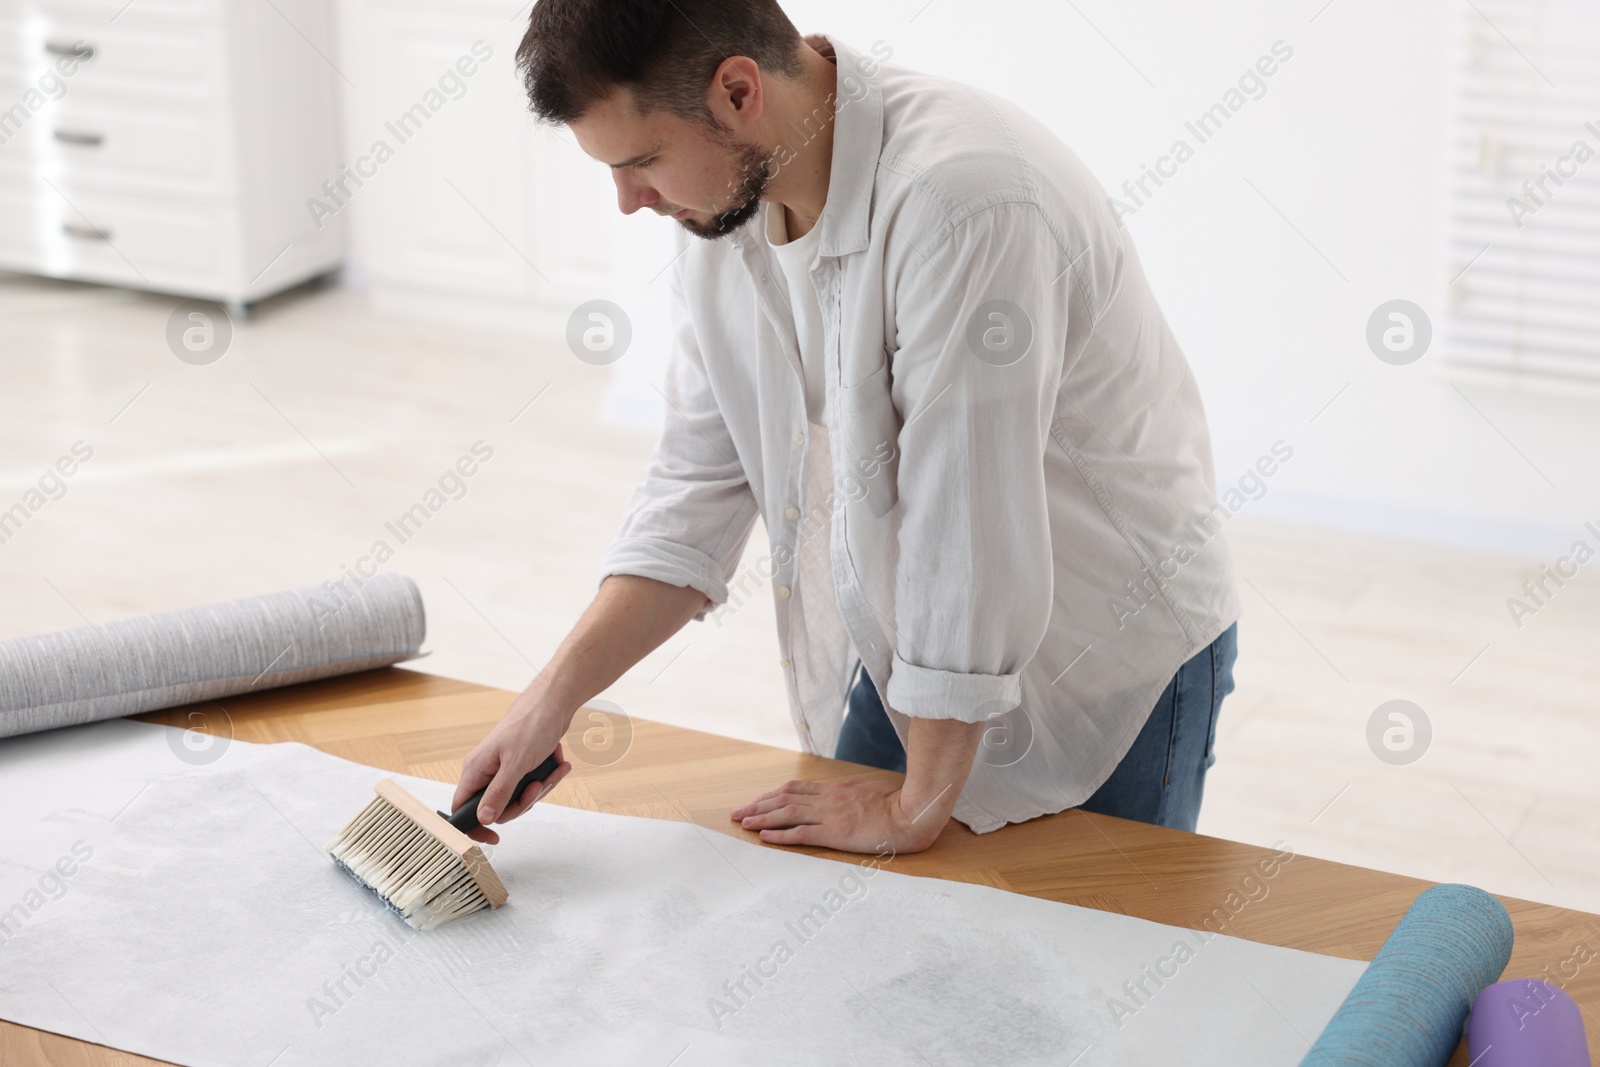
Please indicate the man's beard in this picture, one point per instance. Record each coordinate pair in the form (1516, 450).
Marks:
(748, 188)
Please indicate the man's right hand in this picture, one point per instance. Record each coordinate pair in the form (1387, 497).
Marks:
(630, 617)
(518, 743)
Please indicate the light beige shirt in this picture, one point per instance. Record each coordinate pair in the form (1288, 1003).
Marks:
(1010, 514)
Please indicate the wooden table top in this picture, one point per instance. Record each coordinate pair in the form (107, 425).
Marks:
(423, 725)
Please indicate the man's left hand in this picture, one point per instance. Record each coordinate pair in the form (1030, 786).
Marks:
(852, 816)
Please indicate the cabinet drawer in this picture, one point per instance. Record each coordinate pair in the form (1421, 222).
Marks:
(162, 153)
(125, 240)
(115, 62)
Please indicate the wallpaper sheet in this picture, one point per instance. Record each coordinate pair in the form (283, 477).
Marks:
(178, 903)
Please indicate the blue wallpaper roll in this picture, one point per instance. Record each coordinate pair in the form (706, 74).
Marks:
(1408, 1008)
(182, 657)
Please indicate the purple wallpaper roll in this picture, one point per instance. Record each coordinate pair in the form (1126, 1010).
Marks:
(1524, 1022)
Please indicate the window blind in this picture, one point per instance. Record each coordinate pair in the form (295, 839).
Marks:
(1523, 256)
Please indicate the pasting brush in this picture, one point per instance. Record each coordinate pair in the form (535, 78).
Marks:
(421, 863)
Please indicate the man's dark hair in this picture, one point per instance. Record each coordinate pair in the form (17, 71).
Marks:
(577, 52)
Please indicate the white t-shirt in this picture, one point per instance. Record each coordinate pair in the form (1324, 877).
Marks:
(796, 257)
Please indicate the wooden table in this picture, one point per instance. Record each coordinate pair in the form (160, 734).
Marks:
(423, 725)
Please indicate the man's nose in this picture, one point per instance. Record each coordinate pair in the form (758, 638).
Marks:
(632, 195)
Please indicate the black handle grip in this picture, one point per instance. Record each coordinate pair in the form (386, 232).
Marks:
(466, 816)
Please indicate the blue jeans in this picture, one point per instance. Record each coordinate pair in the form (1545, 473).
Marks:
(1161, 778)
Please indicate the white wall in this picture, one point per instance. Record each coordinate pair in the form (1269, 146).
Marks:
(1269, 249)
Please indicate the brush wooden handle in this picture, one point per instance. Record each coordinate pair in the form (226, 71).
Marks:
(465, 818)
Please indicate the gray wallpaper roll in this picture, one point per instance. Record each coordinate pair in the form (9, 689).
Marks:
(180, 657)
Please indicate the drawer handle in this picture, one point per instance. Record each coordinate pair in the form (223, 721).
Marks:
(87, 233)
(81, 49)
(92, 140)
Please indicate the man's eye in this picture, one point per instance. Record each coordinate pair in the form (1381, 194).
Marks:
(646, 163)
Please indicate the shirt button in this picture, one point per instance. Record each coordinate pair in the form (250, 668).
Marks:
(786, 665)
(792, 513)
(783, 591)
(799, 438)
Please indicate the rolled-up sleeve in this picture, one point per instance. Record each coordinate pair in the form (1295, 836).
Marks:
(687, 523)
(979, 344)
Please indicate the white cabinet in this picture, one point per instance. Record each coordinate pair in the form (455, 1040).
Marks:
(170, 145)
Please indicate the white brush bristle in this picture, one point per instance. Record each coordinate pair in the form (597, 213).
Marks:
(413, 873)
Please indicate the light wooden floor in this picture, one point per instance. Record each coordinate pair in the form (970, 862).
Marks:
(281, 463)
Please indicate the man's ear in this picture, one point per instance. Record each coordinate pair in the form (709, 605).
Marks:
(737, 83)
